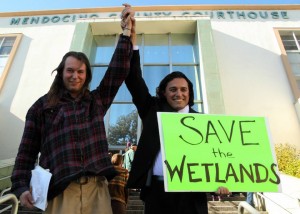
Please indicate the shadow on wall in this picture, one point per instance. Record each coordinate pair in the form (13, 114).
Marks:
(11, 127)
(253, 78)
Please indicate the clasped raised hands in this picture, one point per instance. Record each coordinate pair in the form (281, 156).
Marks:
(128, 20)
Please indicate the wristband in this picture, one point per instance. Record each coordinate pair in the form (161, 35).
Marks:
(126, 32)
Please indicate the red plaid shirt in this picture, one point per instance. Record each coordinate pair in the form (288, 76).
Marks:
(71, 135)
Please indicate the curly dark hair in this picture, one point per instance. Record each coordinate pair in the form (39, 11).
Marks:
(57, 87)
(164, 82)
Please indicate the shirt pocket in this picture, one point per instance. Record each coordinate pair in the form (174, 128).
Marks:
(54, 117)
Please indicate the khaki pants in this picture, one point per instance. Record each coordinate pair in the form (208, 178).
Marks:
(89, 198)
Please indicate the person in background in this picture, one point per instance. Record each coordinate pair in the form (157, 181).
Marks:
(174, 94)
(249, 199)
(66, 127)
(215, 197)
(129, 156)
(118, 191)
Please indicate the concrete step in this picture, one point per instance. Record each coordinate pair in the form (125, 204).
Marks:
(135, 204)
(134, 211)
(233, 212)
(135, 207)
(227, 205)
(223, 205)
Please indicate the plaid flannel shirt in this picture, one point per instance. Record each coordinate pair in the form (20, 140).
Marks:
(71, 136)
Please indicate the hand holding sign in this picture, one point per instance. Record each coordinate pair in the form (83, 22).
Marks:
(213, 150)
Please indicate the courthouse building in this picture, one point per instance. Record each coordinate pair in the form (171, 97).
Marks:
(243, 60)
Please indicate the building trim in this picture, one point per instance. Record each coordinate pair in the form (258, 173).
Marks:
(286, 63)
(11, 56)
(153, 8)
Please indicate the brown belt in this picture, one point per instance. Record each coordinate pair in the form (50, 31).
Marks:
(86, 179)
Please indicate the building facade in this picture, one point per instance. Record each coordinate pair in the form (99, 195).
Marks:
(242, 60)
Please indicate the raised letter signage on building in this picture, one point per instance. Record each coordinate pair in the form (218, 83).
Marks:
(229, 14)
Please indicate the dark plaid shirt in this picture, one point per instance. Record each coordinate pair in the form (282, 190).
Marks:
(71, 135)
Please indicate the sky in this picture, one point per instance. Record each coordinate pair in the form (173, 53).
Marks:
(31, 5)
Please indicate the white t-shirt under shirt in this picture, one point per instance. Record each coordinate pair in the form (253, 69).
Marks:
(158, 167)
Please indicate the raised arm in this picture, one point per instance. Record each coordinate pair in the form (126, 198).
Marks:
(118, 68)
(134, 81)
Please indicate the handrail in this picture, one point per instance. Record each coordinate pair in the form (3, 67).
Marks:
(4, 191)
(260, 195)
(244, 205)
(260, 201)
(6, 177)
(13, 198)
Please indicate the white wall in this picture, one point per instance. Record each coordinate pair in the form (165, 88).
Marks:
(41, 49)
(253, 77)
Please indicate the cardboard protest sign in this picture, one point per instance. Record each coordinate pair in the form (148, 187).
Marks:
(202, 152)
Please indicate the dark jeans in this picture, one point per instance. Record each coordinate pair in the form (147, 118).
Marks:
(157, 201)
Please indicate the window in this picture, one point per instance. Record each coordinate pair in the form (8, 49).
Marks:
(8, 47)
(164, 53)
(122, 118)
(291, 43)
(160, 55)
